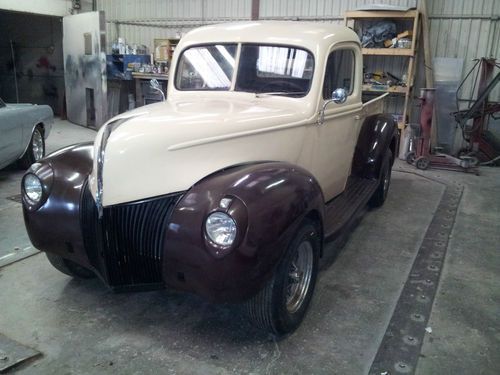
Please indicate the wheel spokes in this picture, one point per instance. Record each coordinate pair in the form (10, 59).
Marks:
(37, 145)
(299, 276)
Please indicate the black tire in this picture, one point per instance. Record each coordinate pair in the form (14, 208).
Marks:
(422, 163)
(378, 198)
(69, 268)
(410, 157)
(33, 153)
(272, 309)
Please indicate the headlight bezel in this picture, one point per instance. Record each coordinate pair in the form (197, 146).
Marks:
(235, 208)
(29, 182)
(45, 174)
(221, 215)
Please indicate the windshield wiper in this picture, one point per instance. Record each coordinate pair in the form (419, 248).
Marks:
(283, 93)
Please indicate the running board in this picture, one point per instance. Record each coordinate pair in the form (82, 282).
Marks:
(340, 211)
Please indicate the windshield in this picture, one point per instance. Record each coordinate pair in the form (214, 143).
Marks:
(269, 69)
(206, 68)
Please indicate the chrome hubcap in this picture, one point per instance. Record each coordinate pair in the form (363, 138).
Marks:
(299, 277)
(37, 145)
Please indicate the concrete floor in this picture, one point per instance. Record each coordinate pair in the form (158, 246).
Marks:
(82, 328)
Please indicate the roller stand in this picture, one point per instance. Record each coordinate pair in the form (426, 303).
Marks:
(420, 155)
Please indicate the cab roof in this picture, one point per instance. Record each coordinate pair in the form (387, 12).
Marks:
(310, 35)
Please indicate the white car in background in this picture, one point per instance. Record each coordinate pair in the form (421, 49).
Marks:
(23, 131)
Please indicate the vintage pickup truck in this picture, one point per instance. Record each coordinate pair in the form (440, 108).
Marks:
(262, 152)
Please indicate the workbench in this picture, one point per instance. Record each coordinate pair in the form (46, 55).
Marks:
(143, 93)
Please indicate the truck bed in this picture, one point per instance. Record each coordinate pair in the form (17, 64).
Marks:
(375, 105)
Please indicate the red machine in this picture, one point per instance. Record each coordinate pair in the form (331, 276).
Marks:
(420, 143)
(481, 144)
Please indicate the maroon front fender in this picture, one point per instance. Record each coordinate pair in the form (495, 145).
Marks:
(55, 226)
(270, 200)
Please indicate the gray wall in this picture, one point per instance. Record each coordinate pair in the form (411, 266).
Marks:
(141, 21)
(47, 7)
(37, 42)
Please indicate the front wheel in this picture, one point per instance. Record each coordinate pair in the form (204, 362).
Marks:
(282, 304)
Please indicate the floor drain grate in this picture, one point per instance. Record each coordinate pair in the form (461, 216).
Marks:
(400, 348)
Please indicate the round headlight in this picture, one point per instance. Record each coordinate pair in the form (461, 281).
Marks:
(221, 228)
(33, 189)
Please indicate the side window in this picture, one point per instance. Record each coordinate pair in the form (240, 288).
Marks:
(339, 72)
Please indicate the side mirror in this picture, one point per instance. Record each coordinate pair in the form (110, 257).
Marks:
(339, 96)
(155, 85)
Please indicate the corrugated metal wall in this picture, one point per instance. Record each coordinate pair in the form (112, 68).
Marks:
(466, 29)
(459, 28)
(141, 21)
(329, 9)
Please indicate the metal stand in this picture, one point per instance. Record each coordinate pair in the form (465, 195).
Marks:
(479, 110)
(420, 144)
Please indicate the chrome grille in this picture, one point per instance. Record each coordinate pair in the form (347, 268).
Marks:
(126, 243)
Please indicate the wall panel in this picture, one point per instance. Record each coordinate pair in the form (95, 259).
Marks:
(141, 21)
(47, 7)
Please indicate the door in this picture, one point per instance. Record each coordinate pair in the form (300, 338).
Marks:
(10, 134)
(338, 134)
(84, 43)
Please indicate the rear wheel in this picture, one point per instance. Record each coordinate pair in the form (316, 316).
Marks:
(282, 304)
(70, 268)
(35, 150)
(378, 198)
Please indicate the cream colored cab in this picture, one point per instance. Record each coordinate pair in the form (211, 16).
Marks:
(239, 93)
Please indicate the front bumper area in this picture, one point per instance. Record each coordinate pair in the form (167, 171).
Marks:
(144, 245)
(160, 241)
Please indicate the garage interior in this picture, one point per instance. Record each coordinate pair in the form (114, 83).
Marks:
(412, 288)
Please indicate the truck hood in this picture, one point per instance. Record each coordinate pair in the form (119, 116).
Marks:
(167, 147)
